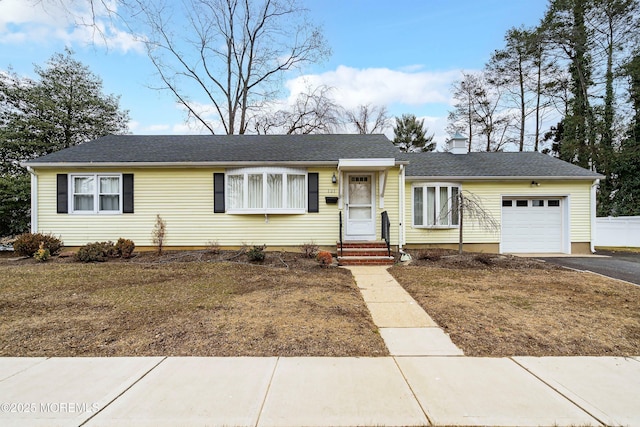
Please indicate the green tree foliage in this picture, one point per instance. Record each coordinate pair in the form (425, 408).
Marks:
(565, 28)
(570, 66)
(411, 135)
(626, 197)
(62, 107)
(15, 196)
(65, 106)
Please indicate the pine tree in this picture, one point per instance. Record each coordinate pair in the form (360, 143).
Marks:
(410, 135)
(626, 199)
(64, 106)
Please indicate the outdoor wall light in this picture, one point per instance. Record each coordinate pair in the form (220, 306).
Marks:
(334, 179)
(535, 184)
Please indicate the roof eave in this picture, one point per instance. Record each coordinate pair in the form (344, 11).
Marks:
(60, 165)
(500, 178)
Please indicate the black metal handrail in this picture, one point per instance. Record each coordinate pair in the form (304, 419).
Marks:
(386, 229)
(340, 215)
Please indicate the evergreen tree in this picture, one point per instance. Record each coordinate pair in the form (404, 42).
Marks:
(411, 135)
(626, 199)
(64, 106)
(565, 28)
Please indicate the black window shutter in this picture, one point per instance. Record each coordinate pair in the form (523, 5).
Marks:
(313, 192)
(218, 193)
(127, 193)
(62, 189)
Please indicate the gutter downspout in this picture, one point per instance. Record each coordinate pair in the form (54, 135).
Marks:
(594, 187)
(34, 200)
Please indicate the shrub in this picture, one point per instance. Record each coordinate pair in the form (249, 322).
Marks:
(433, 254)
(483, 258)
(96, 252)
(256, 253)
(27, 244)
(310, 250)
(125, 247)
(42, 254)
(324, 258)
(159, 233)
(213, 247)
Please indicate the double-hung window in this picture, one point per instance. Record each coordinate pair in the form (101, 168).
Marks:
(435, 205)
(96, 193)
(266, 190)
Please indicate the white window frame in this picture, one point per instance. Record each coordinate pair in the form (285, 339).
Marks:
(264, 171)
(96, 194)
(436, 186)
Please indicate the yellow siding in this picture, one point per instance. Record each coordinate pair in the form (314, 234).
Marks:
(391, 205)
(578, 194)
(184, 199)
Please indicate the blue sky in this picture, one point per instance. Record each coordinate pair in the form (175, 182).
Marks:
(404, 54)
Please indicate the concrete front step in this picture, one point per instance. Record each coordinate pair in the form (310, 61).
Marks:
(366, 260)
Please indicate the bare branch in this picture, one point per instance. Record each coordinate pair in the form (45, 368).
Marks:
(368, 119)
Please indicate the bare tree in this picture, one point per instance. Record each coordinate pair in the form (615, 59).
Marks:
(479, 112)
(493, 123)
(313, 112)
(466, 206)
(368, 119)
(220, 59)
(462, 119)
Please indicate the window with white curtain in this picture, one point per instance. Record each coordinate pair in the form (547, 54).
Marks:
(96, 193)
(435, 205)
(266, 190)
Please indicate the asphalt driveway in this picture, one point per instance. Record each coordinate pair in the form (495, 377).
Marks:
(619, 265)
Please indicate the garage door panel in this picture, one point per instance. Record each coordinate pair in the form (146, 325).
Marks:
(532, 228)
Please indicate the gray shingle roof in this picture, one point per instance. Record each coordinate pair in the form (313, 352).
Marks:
(487, 165)
(223, 148)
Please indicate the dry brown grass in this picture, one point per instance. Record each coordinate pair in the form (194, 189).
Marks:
(181, 309)
(534, 310)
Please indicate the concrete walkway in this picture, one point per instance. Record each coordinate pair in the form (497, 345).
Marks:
(405, 327)
(425, 382)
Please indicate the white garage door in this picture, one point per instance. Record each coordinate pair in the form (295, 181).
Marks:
(532, 225)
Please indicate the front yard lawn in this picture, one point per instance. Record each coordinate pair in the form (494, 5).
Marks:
(505, 306)
(181, 309)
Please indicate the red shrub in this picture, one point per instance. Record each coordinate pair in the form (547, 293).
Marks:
(324, 258)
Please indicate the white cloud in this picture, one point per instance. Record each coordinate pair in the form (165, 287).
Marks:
(21, 22)
(427, 94)
(380, 86)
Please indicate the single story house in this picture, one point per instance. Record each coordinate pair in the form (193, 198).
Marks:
(288, 190)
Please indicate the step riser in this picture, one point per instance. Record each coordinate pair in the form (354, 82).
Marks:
(362, 245)
(348, 252)
(366, 262)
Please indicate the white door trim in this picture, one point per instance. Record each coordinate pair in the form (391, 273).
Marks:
(360, 229)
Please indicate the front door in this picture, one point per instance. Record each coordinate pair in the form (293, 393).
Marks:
(360, 207)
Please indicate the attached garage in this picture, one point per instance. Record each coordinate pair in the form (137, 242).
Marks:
(534, 225)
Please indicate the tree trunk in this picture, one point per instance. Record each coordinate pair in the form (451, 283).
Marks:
(461, 213)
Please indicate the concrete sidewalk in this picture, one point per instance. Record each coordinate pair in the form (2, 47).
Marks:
(384, 391)
(426, 381)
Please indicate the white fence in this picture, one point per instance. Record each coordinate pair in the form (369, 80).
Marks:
(618, 231)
